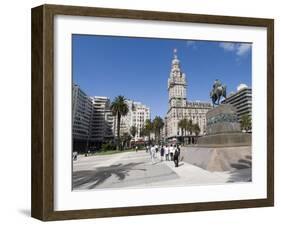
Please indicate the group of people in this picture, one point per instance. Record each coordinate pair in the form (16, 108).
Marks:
(169, 153)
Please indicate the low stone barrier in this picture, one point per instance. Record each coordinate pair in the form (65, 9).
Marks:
(218, 158)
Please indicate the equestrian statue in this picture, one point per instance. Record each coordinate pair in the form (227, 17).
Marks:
(218, 91)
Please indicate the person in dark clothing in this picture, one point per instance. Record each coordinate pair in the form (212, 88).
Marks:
(176, 156)
(162, 150)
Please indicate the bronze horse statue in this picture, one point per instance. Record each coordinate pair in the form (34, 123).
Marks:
(218, 91)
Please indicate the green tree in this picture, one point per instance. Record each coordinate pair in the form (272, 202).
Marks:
(158, 124)
(142, 132)
(126, 138)
(246, 122)
(133, 131)
(148, 128)
(189, 126)
(182, 125)
(196, 130)
(119, 108)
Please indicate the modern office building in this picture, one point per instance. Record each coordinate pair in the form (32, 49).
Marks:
(94, 123)
(81, 117)
(137, 115)
(92, 120)
(102, 121)
(179, 107)
(242, 100)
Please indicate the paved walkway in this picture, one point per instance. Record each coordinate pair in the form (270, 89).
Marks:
(135, 170)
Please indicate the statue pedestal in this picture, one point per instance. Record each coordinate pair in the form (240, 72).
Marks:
(224, 147)
(223, 129)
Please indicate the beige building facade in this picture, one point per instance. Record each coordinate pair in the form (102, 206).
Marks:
(137, 115)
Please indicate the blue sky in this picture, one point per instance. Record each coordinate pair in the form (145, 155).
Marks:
(138, 68)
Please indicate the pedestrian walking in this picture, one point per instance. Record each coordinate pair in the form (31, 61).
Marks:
(176, 156)
(147, 148)
(136, 148)
(162, 151)
(75, 154)
(153, 154)
(167, 152)
(156, 150)
(172, 150)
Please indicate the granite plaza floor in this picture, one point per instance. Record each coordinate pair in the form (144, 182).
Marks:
(135, 170)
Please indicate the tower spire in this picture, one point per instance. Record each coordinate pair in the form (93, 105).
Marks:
(176, 84)
(175, 53)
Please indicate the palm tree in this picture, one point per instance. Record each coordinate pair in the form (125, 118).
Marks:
(126, 137)
(189, 126)
(142, 132)
(148, 128)
(196, 129)
(119, 108)
(182, 125)
(158, 124)
(246, 122)
(133, 131)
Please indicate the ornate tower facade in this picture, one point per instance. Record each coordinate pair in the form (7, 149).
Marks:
(177, 97)
(179, 108)
(176, 84)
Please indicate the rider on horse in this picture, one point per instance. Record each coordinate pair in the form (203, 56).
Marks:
(218, 91)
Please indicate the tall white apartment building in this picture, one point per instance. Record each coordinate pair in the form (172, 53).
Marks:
(137, 115)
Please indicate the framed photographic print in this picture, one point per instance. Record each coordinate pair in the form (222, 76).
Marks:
(141, 112)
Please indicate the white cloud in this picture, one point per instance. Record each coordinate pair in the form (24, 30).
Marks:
(239, 49)
(228, 46)
(243, 49)
(190, 43)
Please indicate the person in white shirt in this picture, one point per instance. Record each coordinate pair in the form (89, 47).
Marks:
(152, 154)
(166, 148)
(156, 150)
(147, 148)
(172, 150)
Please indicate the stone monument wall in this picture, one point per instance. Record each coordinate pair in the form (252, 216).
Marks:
(223, 128)
(222, 119)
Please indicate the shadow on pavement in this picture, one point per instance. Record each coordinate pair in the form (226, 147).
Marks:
(181, 164)
(101, 174)
(242, 170)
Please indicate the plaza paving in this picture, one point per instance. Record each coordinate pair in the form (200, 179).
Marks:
(135, 170)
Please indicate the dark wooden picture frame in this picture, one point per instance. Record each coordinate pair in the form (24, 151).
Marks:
(42, 203)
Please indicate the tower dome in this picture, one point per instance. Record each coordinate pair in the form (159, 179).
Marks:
(176, 61)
